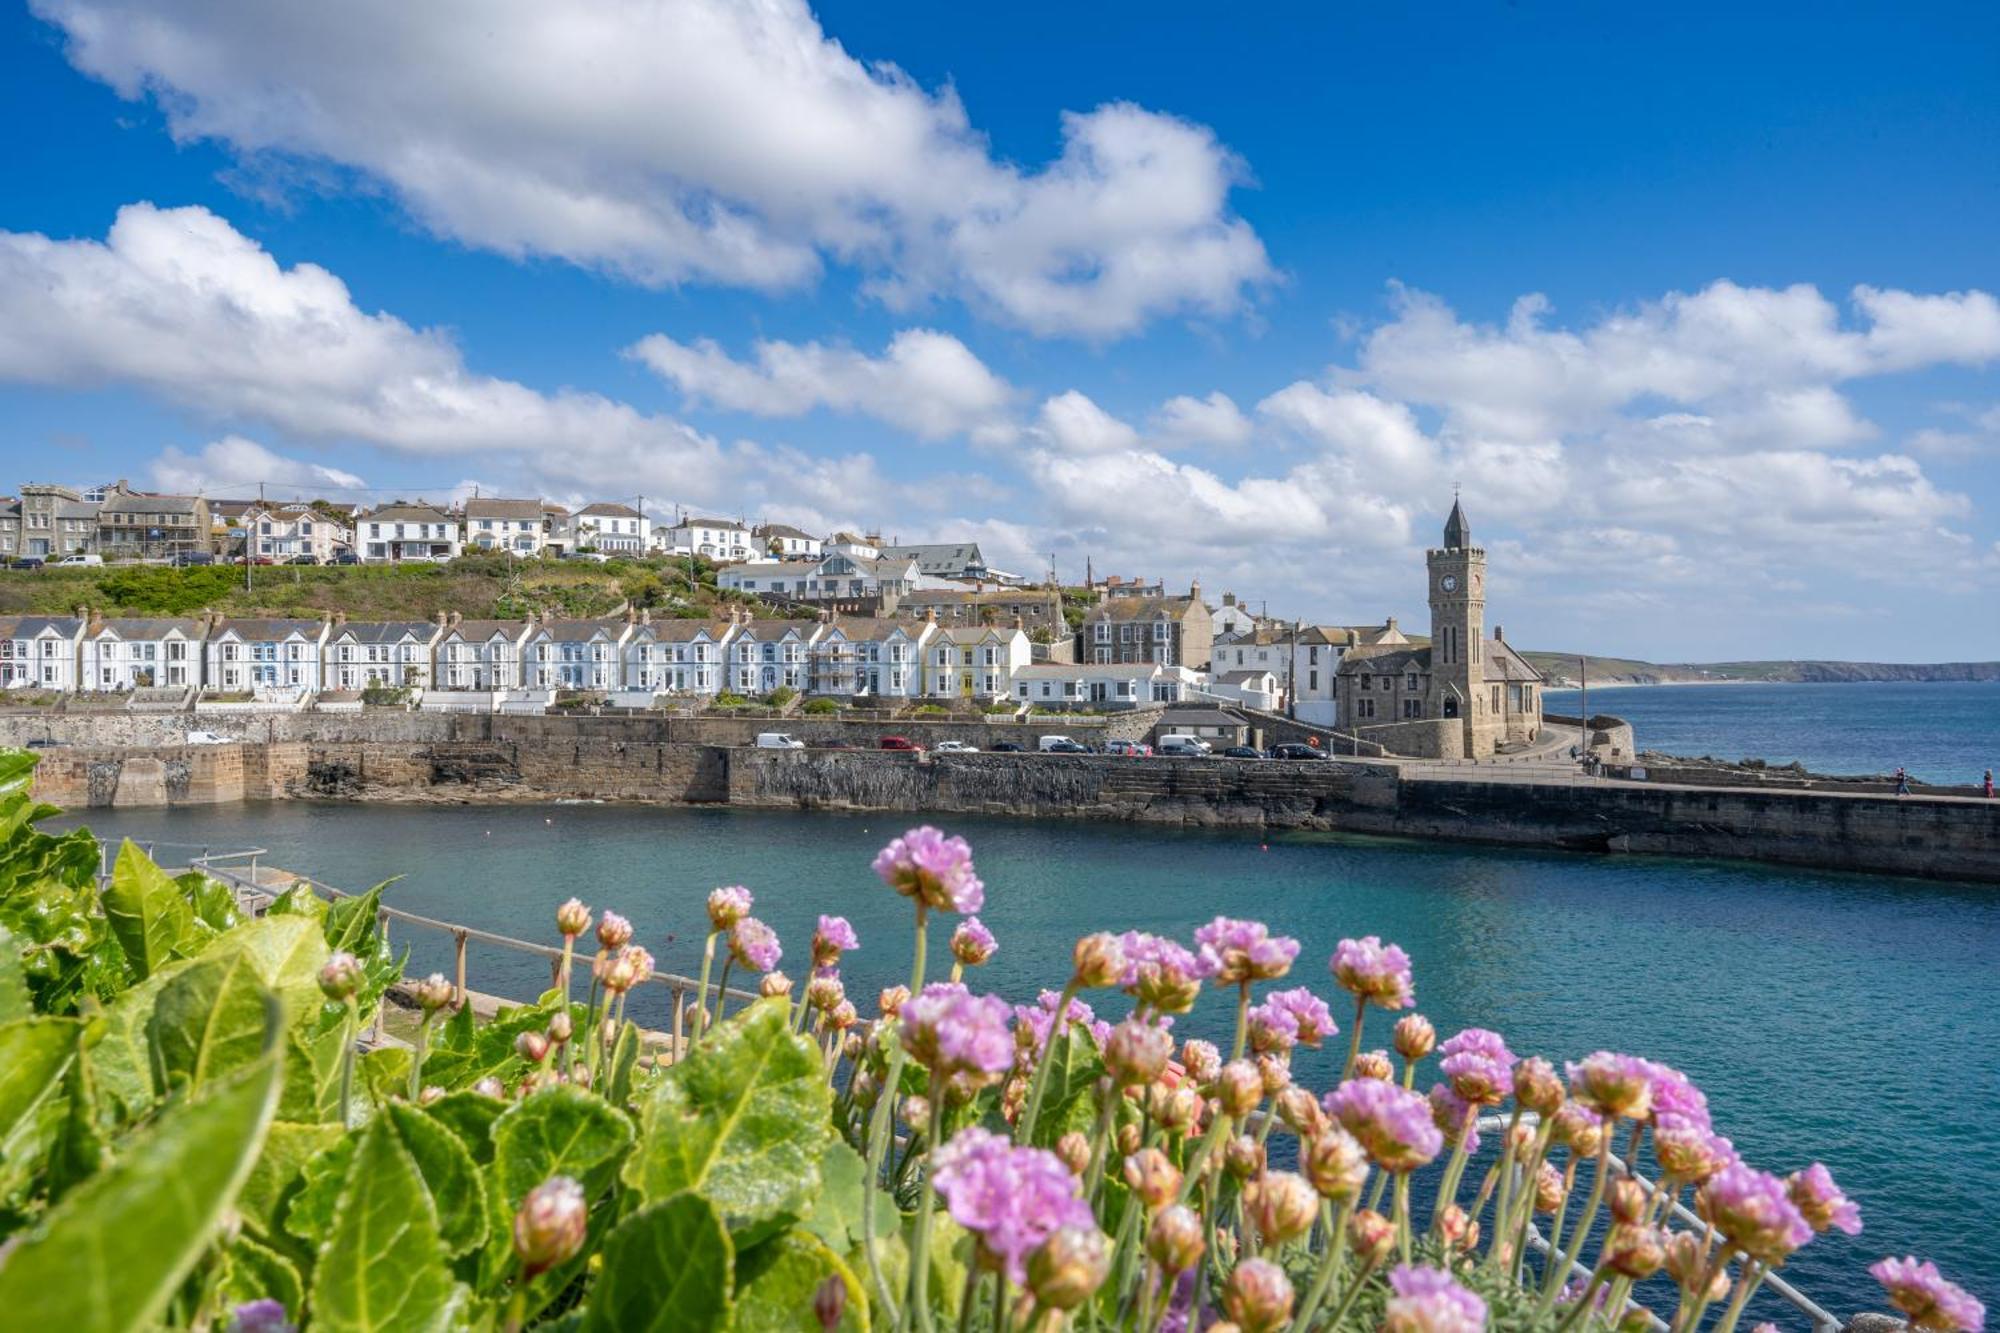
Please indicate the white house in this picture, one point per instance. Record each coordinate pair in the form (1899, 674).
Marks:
(717, 539)
(774, 578)
(1304, 659)
(786, 542)
(1233, 617)
(676, 656)
(864, 657)
(975, 661)
(848, 543)
(268, 657)
(392, 653)
(398, 532)
(763, 654)
(834, 577)
(518, 527)
(1102, 684)
(477, 655)
(572, 655)
(958, 562)
(614, 529)
(1255, 688)
(127, 653)
(283, 532)
(39, 652)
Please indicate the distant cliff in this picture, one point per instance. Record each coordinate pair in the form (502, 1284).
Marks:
(1563, 667)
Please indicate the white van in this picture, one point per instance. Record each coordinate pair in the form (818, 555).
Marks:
(80, 559)
(1058, 745)
(1192, 747)
(778, 740)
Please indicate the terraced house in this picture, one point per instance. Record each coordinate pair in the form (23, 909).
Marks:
(136, 525)
(1169, 631)
(39, 652)
(676, 656)
(863, 657)
(480, 655)
(974, 661)
(762, 655)
(399, 532)
(286, 532)
(123, 653)
(571, 655)
(271, 658)
(393, 653)
(518, 527)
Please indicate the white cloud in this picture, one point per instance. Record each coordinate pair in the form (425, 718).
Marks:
(925, 382)
(234, 466)
(1071, 423)
(727, 141)
(1214, 421)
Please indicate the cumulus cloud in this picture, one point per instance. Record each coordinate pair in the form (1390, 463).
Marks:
(1214, 421)
(1072, 423)
(704, 140)
(925, 382)
(235, 466)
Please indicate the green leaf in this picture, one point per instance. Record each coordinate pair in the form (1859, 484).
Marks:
(211, 901)
(147, 913)
(385, 1072)
(35, 1054)
(559, 1131)
(382, 1267)
(280, 1170)
(299, 900)
(312, 1074)
(78, 1151)
(456, 1189)
(350, 922)
(1070, 1102)
(14, 1001)
(624, 1059)
(112, 1253)
(285, 953)
(470, 1115)
(309, 1214)
(253, 1271)
(666, 1269)
(776, 1283)
(742, 1120)
(208, 1021)
(836, 1213)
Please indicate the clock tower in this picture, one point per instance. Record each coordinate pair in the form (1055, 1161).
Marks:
(1458, 624)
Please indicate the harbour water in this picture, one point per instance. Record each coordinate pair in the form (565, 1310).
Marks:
(1947, 731)
(1841, 1018)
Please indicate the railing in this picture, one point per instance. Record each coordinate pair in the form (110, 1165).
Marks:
(227, 866)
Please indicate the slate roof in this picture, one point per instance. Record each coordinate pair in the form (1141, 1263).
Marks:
(514, 511)
(1386, 661)
(406, 513)
(153, 627)
(941, 558)
(686, 631)
(384, 631)
(768, 530)
(482, 630)
(268, 628)
(607, 509)
(1140, 608)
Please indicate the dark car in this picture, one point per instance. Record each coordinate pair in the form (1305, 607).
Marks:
(186, 558)
(903, 743)
(1004, 747)
(346, 558)
(303, 560)
(1297, 752)
(835, 744)
(27, 562)
(1065, 747)
(1241, 752)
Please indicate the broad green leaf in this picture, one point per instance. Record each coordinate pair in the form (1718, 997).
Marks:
(312, 1074)
(211, 901)
(35, 1054)
(285, 953)
(280, 1170)
(777, 1281)
(208, 1020)
(836, 1213)
(382, 1269)
(253, 1271)
(77, 1153)
(1070, 1102)
(299, 900)
(742, 1120)
(385, 1073)
(457, 1033)
(559, 1131)
(492, 1050)
(666, 1270)
(350, 922)
(624, 1059)
(470, 1115)
(309, 1213)
(14, 1001)
(147, 913)
(457, 1192)
(112, 1253)
(123, 1060)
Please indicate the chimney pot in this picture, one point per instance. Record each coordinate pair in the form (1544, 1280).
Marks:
(1499, 635)
(1390, 623)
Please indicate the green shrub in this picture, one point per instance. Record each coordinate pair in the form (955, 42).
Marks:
(781, 696)
(821, 707)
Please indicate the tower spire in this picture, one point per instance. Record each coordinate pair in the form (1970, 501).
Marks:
(1457, 532)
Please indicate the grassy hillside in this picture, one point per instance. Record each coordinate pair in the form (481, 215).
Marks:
(474, 586)
(1631, 671)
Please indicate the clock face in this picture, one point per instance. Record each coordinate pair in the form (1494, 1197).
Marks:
(1449, 583)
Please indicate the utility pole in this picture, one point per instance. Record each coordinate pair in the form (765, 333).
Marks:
(1583, 704)
(250, 540)
(1292, 673)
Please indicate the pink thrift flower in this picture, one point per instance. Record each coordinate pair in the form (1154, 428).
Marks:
(1392, 1123)
(1753, 1210)
(1011, 1198)
(1373, 971)
(1036, 1019)
(1822, 1202)
(972, 943)
(1479, 1065)
(833, 938)
(1453, 1115)
(727, 906)
(754, 945)
(936, 870)
(1688, 1150)
(1615, 1085)
(1234, 951)
(1673, 1094)
(949, 1030)
(1429, 1300)
(1932, 1303)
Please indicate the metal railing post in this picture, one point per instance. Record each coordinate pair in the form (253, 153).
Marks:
(458, 964)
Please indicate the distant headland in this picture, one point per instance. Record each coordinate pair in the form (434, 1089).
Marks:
(1561, 670)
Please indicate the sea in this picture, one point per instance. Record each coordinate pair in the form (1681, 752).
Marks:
(1842, 1018)
(1944, 732)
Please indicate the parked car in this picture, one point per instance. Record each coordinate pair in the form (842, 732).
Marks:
(1185, 747)
(254, 560)
(778, 740)
(1241, 752)
(1137, 748)
(346, 558)
(1059, 745)
(27, 562)
(903, 743)
(1297, 752)
(80, 560)
(42, 742)
(303, 560)
(186, 558)
(597, 556)
(835, 744)
(954, 747)
(1006, 747)
(209, 738)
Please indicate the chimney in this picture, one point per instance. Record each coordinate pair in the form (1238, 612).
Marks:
(1194, 591)
(645, 615)
(825, 616)
(1389, 624)
(82, 612)
(1499, 635)
(339, 619)
(1353, 639)
(442, 619)
(1018, 622)
(1229, 599)
(96, 619)
(930, 616)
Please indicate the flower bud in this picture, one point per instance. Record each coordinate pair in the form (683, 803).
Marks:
(1258, 1296)
(1074, 1149)
(607, 1032)
(1460, 1232)
(1172, 1109)
(1136, 1053)
(1128, 1140)
(1579, 1128)
(1375, 1065)
(853, 1046)
(1239, 1087)
(1099, 960)
(549, 1228)
(430, 1096)
(1415, 1038)
(1520, 1139)
(532, 1047)
(1153, 1177)
(726, 906)
(1174, 1241)
(1685, 1259)
(867, 1086)
(843, 1016)
(1537, 1086)
(1638, 1320)
(917, 1110)
(1634, 1251)
(433, 993)
(1068, 1267)
(1627, 1198)
(1548, 1189)
(1281, 1205)
(1201, 1059)
(774, 985)
(891, 1001)
(491, 1087)
(1335, 1163)
(572, 918)
(561, 1026)
(613, 931)
(1300, 1111)
(341, 977)
(579, 1074)
(1243, 1157)
(1372, 1236)
(830, 1302)
(1275, 1074)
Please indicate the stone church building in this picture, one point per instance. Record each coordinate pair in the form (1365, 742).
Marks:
(1463, 695)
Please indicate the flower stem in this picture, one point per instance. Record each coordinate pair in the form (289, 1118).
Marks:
(569, 951)
(349, 1030)
(1747, 1283)
(920, 1239)
(701, 986)
(1329, 1265)
(417, 1061)
(1403, 1214)
(1024, 1132)
(1354, 1043)
(879, 1133)
(1448, 1187)
(1560, 1267)
(1242, 1019)
(722, 987)
(1583, 1301)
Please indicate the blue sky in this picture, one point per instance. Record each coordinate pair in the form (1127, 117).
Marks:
(1694, 304)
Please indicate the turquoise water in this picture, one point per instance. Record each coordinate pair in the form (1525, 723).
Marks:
(1943, 732)
(1838, 1017)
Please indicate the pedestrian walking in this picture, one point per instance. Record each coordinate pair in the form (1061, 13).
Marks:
(1902, 781)
(1989, 784)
